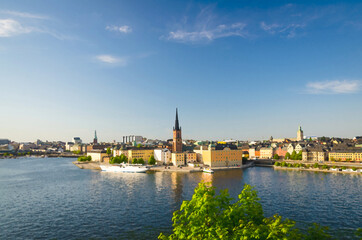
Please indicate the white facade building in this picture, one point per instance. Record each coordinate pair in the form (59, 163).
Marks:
(163, 155)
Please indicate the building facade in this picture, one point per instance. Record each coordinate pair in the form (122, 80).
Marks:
(162, 155)
(225, 157)
(314, 155)
(178, 159)
(266, 153)
(346, 155)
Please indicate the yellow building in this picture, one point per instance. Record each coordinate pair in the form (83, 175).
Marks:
(222, 156)
(190, 157)
(138, 153)
(178, 159)
(345, 156)
(266, 153)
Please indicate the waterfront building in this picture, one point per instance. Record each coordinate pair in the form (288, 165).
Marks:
(162, 155)
(252, 153)
(178, 159)
(300, 134)
(266, 153)
(314, 155)
(99, 155)
(190, 156)
(222, 155)
(144, 153)
(281, 151)
(119, 151)
(346, 155)
(177, 138)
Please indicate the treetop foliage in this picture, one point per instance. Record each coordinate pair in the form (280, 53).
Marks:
(211, 216)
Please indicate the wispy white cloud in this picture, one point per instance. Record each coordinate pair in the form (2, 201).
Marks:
(288, 29)
(205, 27)
(333, 87)
(121, 29)
(109, 59)
(10, 27)
(208, 34)
(24, 14)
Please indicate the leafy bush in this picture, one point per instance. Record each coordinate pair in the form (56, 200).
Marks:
(276, 156)
(134, 161)
(316, 165)
(354, 169)
(325, 167)
(344, 168)
(210, 216)
(85, 158)
(284, 164)
(277, 164)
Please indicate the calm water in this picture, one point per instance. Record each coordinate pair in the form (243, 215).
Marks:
(52, 198)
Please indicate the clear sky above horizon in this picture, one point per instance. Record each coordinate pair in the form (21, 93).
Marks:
(235, 69)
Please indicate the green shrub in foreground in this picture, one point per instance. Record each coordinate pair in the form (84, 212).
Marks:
(84, 158)
(210, 216)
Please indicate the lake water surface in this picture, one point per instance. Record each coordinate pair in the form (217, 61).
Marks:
(51, 198)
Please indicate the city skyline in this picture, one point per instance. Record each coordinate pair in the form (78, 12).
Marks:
(234, 70)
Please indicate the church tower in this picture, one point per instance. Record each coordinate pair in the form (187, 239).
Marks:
(95, 140)
(177, 139)
(300, 134)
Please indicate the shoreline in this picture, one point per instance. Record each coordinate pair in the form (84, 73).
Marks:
(314, 170)
(96, 166)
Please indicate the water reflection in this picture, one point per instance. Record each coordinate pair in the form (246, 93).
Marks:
(93, 204)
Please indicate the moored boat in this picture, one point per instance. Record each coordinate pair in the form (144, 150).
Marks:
(208, 170)
(124, 168)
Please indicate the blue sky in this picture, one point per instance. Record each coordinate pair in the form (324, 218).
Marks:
(235, 69)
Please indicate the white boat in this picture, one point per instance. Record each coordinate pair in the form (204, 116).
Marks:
(208, 170)
(124, 168)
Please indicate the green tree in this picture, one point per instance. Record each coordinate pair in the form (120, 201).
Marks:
(124, 159)
(141, 161)
(109, 151)
(276, 156)
(211, 216)
(299, 156)
(287, 155)
(134, 161)
(152, 160)
(139, 145)
(294, 155)
(316, 165)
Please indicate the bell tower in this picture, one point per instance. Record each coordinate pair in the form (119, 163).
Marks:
(177, 139)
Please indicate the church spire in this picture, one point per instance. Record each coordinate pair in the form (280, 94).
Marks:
(177, 126)
(95, 140)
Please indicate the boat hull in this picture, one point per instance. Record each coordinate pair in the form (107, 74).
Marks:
(126, 169)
